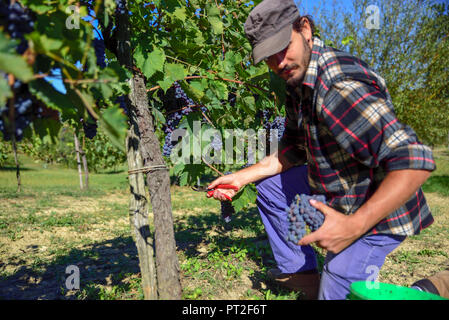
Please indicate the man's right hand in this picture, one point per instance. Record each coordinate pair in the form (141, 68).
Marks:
(227, 179)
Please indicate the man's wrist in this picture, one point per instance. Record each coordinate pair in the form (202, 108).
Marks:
(359, 223)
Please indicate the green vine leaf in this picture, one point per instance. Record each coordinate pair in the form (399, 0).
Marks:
(11, 62)
(172, 72)
(245, 197)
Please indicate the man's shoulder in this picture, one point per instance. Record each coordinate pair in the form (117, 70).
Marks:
(335, 65)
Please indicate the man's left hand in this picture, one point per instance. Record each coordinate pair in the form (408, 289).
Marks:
(336, 233)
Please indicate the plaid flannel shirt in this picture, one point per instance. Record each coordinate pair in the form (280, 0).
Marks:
(341, 121)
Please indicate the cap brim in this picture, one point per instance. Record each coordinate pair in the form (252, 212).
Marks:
(273, 44)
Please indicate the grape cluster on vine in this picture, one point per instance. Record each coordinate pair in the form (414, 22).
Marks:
(227, 209)
(25, 110)
(121, 6)
(17, 21)
(99, 47)
(278, 124)
(90, 127)
(121, 100)
(173, 118)
(216, 143)
(300, 213)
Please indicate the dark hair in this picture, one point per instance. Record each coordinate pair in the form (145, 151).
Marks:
(298, 24)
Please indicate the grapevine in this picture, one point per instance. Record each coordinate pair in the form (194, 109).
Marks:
(174, 118)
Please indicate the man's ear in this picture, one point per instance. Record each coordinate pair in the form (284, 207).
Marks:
(306, 31)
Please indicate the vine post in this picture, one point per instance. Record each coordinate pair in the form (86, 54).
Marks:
(13, 135)
(138, 216)
(85, 167)
(167, 265)
(78, 160)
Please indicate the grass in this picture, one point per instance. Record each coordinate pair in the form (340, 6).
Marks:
(52, 224)
(439, 181)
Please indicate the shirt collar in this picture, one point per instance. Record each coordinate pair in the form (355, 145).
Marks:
(311, 75)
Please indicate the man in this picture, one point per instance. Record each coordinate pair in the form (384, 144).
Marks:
(341, 122)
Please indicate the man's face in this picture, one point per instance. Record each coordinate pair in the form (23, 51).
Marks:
(291, 63)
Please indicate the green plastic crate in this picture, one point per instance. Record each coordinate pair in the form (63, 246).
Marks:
(367, 290)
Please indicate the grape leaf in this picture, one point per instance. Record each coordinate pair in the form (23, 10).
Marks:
(54, 99)
(11, 62)
(217, 25)
(246, 196)
(113, 123)
(149, 63)
(5, 91)
(172, 72)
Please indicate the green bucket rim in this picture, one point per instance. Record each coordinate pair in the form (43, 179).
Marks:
(369, 290)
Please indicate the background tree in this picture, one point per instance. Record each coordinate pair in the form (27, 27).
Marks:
(407, 50)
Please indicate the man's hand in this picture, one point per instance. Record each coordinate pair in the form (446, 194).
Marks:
(227, 179)
(337, 232)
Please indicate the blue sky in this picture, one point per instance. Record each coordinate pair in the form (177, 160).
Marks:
(309, 5)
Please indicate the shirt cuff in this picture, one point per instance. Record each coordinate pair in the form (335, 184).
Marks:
(415, 156)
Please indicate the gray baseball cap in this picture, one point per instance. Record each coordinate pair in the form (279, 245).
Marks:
(269, 27)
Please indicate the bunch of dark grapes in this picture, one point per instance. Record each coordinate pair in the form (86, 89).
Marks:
(279, 125)
(297, 226)
(25, 110)
(227, 209)
(273, 128)
(174, 118)
(17, 21)
(265, 115)
(121, 100)
(90, 127)
(216, 143)
(100, 52)
(121, 6)
(232, 99)
(313, 218)
(300, 213)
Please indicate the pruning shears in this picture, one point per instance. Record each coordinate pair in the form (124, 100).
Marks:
(210, 192)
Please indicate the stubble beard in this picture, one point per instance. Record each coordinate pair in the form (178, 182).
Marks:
(302, 67)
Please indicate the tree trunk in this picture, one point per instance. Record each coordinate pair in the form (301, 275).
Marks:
(167, 265)
(77, 149)
(86, 168)
(138, 216)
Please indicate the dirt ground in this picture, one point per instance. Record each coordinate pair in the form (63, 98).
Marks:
(33, 263)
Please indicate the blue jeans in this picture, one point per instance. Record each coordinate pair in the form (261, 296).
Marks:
(358, 262)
